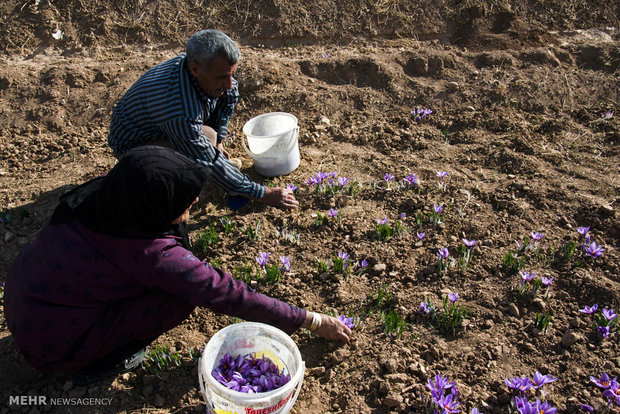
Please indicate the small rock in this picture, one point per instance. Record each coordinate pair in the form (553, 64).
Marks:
(391, 365)
(379, 267)
(340, 355)
(570, 338)
(383, 388)
(488, 324)
(513, 310)
(316, 371)
(576, 323)
(452, 86)
(392, 401)
(342, 201)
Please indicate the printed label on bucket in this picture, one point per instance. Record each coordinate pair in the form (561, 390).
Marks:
(271, 409)
(246, 410)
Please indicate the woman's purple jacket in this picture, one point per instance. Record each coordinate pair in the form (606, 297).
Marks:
(74, 296)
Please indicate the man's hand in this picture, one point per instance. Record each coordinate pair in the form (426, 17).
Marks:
(220, 148)
(279, 197)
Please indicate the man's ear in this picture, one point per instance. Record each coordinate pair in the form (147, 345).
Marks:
(194, 68)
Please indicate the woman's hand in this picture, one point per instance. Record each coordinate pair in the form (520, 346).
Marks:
(328, 327)
(333, 329)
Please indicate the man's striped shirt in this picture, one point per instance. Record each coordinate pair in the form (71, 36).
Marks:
(166, 103)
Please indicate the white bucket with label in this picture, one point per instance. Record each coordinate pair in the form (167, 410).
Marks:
(272, 143)
(244, 339)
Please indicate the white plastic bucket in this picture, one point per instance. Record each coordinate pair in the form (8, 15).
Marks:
(273, 143)
(243, 339)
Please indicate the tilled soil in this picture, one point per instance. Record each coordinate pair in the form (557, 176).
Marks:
(518, 122)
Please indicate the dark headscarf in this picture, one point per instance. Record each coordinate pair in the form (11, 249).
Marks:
(149, 188)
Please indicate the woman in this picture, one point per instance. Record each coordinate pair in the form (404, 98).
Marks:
(111, 271)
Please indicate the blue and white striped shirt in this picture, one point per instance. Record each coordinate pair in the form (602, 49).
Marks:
(166, 103)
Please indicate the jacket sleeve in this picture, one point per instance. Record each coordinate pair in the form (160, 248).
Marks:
(178, 272)
(186, 135)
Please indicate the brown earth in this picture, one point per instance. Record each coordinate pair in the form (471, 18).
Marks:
(518, 92)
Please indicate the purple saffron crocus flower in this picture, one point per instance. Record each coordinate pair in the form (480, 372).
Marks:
(292, 187)
(382, 221)
(527, 276)
(604, 382)
(348, 322)
(448, 403)
(594, 250)
(587, 408)
(583, 230)
(545, 281)
(539, 380)
(608, 114)
(286, 263)
(401, 216)
(536, 235)
(440, 383)
(411, 179)
(443, 253)
(438, 208)
(453, 297)
(520, 384)
(388, 177)
(344, 256)
(590, 310)
(604, 331)
(442, 174)
(474, 410)
(543, 407)
(469, 243)
(613, 392)
(342, 181)
(420, 235)
(363, 264)
(609, 314)
(262, 259)
(333, 213)
(424, 308)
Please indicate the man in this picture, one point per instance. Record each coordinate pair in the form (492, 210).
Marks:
(185, 103)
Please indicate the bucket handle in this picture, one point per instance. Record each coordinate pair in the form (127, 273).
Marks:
(291, 402)
(201, 380)
(290, 147)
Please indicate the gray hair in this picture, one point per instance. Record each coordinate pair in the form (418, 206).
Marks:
(204, 46)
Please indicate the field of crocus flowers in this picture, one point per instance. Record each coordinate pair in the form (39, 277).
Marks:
(458, 193)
